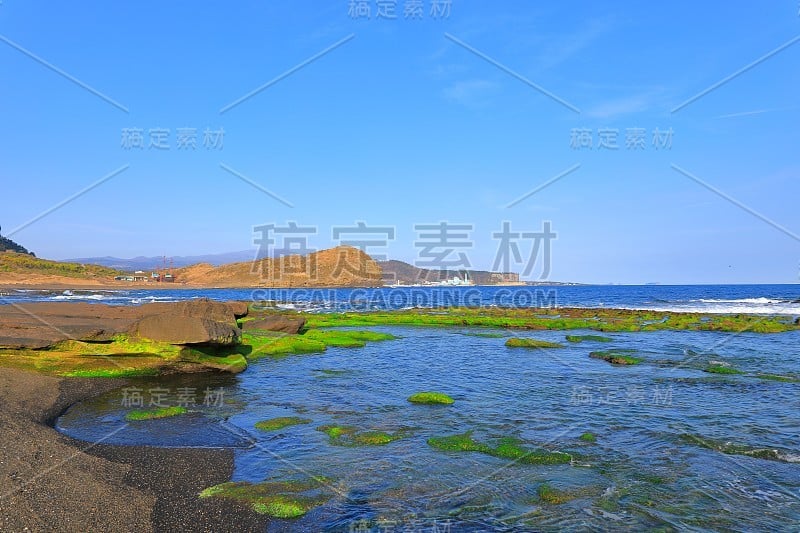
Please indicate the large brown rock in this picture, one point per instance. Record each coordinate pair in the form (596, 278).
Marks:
(240, 309)
(199, 308)
(44, 324)
(181, 329)
(275, 323)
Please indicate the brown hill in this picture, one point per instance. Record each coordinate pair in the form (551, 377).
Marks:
(343, 266)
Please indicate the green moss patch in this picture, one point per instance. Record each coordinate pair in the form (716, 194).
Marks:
(506, 448)
(153, 414)
(274, 424)
(281, 499)
(778, 377)
(606, 320)
(716, 368)
(260, 345)
(516, 342)
(115, 372)
(429, 398)
(616, 357)
(351, 436)
(484, 335)
(591, 338)
(588, 437)
(551, 495)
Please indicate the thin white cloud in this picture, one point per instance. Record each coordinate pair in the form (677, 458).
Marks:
(755, 112)
(470, 93)
(564, 47)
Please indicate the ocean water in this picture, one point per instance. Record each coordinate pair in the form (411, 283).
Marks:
(762, 299)
(642, 473)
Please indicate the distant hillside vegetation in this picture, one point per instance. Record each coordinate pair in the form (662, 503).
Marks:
(23, 263)
(7, 245)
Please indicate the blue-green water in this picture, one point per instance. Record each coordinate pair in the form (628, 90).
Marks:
(639, 474)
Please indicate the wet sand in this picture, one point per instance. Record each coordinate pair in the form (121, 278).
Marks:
(50, 482)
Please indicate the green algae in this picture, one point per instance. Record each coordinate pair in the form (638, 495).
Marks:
(329, 372)
(516, 342)
(549, 494)
(273, 344)
(588, 437)
(431, 398)
(334, 432)
(278, 499)
(274, 424)
(731, 448)
(111, 373)
(255, 346)
(154, 414)
(484, 335)
(778, 377)
(716, 368)
(282, 507)
(217, 359)
(591, 338)
(616, 357)
(609, 320)
(351, 436)
(507, 448)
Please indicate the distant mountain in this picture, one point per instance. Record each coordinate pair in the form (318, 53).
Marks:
(152, 263)
(7, 245)
(394, 271)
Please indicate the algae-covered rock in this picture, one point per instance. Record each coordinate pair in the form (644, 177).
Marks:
(516, 342)
(720, 368)
(154, 414)
(733, 448)
(617, 357)
(506, 448)
(274, 424)
(431, 398)
(591, 338)
(351, 436)
(279, 499)
(549, 494)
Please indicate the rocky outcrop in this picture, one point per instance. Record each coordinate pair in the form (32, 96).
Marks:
(42, 325)
(278, 323)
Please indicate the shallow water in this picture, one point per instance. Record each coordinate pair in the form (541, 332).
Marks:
(639, 474)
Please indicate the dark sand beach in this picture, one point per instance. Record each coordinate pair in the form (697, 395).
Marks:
(51, 482)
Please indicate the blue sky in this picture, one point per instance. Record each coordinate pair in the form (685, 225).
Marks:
(411, 122)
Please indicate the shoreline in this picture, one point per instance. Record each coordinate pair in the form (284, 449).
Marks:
(55, 482)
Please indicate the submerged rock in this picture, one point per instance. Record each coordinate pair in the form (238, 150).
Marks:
(516, 342)
(431, 398)
(279, 499)
(617, 357)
